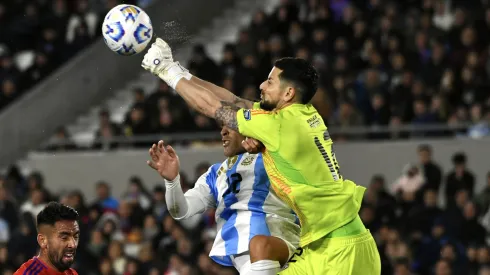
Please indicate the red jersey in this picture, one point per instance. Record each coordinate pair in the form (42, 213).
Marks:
(36, 267)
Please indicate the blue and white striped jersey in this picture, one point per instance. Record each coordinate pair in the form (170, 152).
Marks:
(245, 205)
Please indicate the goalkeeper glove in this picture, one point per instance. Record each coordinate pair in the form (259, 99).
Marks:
(159, 61)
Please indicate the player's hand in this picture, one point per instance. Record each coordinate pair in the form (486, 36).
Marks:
(164, 160)
(252, 146)
(158, 58)
(160, 62)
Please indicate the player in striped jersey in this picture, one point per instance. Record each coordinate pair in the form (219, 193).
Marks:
(58, 234)
(245, 204)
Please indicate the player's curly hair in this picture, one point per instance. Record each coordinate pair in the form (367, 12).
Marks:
(301, 74)
(54, 212)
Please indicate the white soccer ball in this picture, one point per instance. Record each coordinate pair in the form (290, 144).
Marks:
(127, 29)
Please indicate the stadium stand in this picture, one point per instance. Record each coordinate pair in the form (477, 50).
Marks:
(222, 30)
(382, 63)
(36, 37)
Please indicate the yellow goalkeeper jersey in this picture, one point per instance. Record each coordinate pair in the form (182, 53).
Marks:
(302, 168)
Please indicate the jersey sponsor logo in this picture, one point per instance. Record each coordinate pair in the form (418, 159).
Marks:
(313, 121)
(247, 114)
(248, 160)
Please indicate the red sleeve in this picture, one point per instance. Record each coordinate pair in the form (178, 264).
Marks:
(23, 268)
(20, 270)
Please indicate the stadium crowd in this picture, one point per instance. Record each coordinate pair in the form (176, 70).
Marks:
(381, 63)
(134, 234)
(54, 30)
(413, 61)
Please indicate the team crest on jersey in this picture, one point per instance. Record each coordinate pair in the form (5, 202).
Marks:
(248, 160)
(232, 161)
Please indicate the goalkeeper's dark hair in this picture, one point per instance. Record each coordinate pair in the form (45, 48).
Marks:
(301, 74)
(55, 212)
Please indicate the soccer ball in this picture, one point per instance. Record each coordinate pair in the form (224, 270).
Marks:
(127, 29)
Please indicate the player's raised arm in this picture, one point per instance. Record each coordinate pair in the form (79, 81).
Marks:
(201, 100)
(159, 61)
(180, 206)
(159, 58)
(223, 94)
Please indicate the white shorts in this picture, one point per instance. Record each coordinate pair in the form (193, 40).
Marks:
(242, 261)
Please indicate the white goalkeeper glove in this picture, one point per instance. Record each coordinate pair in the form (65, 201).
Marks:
(159, 61)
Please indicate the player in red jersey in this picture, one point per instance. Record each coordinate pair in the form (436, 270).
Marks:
(57, 235)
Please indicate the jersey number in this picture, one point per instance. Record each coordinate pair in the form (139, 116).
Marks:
(298, 253)
(331, 160)
(233, 184)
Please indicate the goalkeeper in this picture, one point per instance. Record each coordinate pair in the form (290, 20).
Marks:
(298, 158)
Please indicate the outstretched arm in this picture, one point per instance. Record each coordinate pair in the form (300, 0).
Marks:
(205, 102)
(222, 93)
(202, 96)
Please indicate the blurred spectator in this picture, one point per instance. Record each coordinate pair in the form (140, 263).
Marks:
(107, 130)
(35, 204)
(61, 141)
(23, 243)
(116, 256)
(472, 232)
(104, 199)
(421, 217)
(459, 178)
(136, 122)
(138, 100)
(346, 116)
(204, 123)
(409, 182)
(159, 205)
(482, 200)
(9, 92)
(137, 193)
(380, 204)
(431, 171)
(202, 66)
(77, 201)
(38, 71)
(8, 210)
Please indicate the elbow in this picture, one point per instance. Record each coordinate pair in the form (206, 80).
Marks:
(177, 218)
(176, 214)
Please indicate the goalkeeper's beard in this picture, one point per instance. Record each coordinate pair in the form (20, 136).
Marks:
(268, 106)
